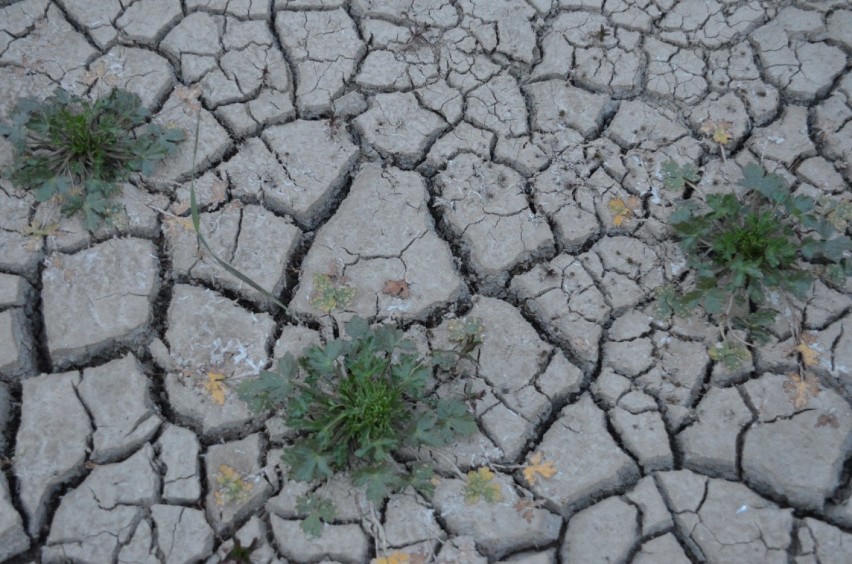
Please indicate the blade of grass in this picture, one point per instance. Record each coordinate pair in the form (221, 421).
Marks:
(196, 224)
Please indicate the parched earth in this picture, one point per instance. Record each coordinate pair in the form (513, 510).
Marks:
(473, 149)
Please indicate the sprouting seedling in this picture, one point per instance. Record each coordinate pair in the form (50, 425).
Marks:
(719, 131)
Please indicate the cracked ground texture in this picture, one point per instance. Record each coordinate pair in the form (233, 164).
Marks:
(470, 148)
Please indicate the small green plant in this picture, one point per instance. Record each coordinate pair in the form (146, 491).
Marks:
(480, 484)
(353, 403)
(741, 250)
(677, 177)
(317, 510)
(78, 151)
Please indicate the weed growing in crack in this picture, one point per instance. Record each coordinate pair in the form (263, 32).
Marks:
(742, 250)
(354, 402)
(78, 151)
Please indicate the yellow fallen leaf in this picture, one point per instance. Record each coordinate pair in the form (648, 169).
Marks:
(799, 387)
(721, 135)
(395, 557)
(536, 467)
(810, 356)
(215, 386)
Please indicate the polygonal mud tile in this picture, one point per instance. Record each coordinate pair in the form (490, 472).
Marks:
(821, 542)
(13, 538)
(496, 527)
(793, 61)
(178, 451)
(314, 162)
(409, 519)
(322, 66)
(673, 72)
(237, 485)
(485, 206)
(460, 549)
(183, 535)
(343, 543)
(96, 20)
(654, 516)
(786, 140)
(143, 72)
(708, 23)
(498, 106)
(637, 124)
(399, 128)
(49, 45)
(579, 439)
(564, 298)
(98, 297)
(146, 22)
(183, 110)
(351, 260)
(605, 532)
(100, 515)
(142, 548)
(805, 434)
(661, 549)
(253, 535)
(644, 436)
(724, 521)
(214, 343)
(52, 441)
(557, 105)
(464, 138)
(238, 234)
(709, 445)
(17, 348)
(118, 397)
(515, 35)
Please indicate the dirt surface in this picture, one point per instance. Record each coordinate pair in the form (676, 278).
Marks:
(471, 148)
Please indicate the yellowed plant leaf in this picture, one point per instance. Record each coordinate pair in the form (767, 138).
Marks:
(810, 356)
(526, 506)
(799, 388)
(395, 557)
(719, 130)
(215, 386)
(536, 467)
(480, 484)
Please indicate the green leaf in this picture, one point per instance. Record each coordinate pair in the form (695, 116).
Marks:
(322, 360)
(317, 510)
(714, 301)
(306, 464)
(380, 481)
(676, 177)
(271, 389)
(357, 327)
(772, 186)
(421, 479)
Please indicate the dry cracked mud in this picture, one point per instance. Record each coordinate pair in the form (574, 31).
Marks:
(470, 148)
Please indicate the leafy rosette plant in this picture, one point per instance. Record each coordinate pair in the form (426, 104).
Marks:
(76, 150)
(742, 249)
(353, 403)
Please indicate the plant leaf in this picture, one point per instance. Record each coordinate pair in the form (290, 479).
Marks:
(215, 386)
(799, 387)
(537, 467)
(317, 510)
(480, 484)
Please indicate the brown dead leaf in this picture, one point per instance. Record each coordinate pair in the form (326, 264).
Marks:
(397, 288)
(526, 506)
(215, 386)
(537, 467)
(799, 387)
(827, 420)
(189, 96)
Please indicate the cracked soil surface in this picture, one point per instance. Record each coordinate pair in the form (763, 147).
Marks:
(470, 148)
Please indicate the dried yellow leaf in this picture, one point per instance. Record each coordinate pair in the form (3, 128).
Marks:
(810, 356)
(215, 386)
(395, 557)
(799, 387)
(537, 467)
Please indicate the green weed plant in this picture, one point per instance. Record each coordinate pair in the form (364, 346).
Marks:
(741, 249)
(78, 151)
(355, 401)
